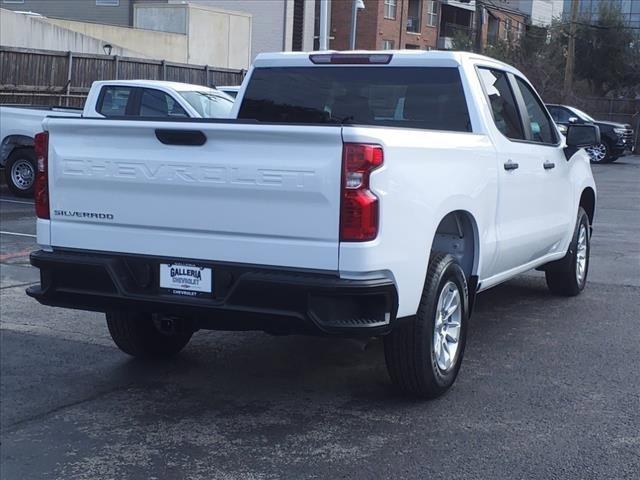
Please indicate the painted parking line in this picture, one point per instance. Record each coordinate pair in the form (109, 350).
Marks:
(18, 234)
(11, 200)
(10, 256)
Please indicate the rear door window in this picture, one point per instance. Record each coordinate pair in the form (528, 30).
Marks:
(410, 97)
(114, 101)
(502, 102)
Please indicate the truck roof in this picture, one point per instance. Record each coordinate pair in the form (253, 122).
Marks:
(398, 58)
(177, 86)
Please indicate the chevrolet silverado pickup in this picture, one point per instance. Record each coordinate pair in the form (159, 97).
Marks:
(108, 98)
(352, 193)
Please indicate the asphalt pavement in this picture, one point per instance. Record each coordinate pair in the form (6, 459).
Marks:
(549, 387)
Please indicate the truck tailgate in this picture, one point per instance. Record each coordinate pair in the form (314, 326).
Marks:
(254, 194)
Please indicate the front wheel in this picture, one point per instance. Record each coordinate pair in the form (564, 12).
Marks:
(148, 335)
(424, 356)
(600, 153)
(20, 172)
(568, 276)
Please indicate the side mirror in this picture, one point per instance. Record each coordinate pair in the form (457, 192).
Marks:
(581, 136)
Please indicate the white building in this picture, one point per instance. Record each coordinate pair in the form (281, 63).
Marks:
(277, 25)
(541, 12)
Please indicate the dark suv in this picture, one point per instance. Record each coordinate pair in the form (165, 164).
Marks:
(616, 137)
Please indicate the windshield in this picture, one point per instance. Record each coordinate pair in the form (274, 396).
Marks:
(209, 104)
(581, 115)
(409, 97)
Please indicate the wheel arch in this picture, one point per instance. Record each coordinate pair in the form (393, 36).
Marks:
(11, 142)
(457, 234)
(588, 202)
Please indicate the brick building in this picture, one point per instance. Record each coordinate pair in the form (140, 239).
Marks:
(502, 23)
(423, 24)
(386, 24)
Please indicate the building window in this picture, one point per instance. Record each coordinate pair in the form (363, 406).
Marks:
(507, 28)
(107, 3)
(388, 44)
(432, 13)
(390, 7)
(520, 30)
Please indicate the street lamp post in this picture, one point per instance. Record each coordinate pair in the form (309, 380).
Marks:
(356, 5)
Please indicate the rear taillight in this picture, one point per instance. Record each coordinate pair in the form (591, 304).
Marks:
(359, 207)
(41, 145)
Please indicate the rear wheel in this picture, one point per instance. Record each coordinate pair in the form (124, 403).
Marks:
(424, 356)
(568, 276)
(20, 172)
(148, 335)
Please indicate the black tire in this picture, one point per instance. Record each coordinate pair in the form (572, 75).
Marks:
(138, 334)
(20, 171)
(562, 276)
(409, 350)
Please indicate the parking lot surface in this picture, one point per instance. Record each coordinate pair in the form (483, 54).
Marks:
(549, 387)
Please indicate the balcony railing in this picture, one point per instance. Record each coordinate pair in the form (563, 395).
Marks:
(453, 35)
(451, 30)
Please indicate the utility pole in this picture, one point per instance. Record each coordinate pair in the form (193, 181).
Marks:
(355, 6)
(571, 51)
(324, 25)
(479, 14)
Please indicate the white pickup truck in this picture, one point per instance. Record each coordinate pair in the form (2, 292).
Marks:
(109, 98)
(356, 193)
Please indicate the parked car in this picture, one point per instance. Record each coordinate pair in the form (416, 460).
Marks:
(617, 138)
(323, 209)
(131, 98)
(18, 126)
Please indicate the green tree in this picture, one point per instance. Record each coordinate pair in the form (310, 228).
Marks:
(606, 52)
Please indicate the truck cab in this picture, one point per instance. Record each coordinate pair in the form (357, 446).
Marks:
(154, 98)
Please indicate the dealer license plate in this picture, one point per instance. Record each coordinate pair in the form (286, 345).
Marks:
(186, 279)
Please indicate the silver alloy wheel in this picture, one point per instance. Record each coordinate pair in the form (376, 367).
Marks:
(446, 333)
(22, 174)
(598, 153)
(581, 254)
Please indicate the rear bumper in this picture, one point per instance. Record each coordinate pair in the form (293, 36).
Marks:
(245, 297)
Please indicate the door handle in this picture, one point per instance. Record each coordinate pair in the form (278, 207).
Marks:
(548, 165)
(510, 165)
(181, 137)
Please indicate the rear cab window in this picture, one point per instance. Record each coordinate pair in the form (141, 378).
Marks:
(430, 98)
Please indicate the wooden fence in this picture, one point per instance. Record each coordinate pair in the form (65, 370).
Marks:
(44, 77)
